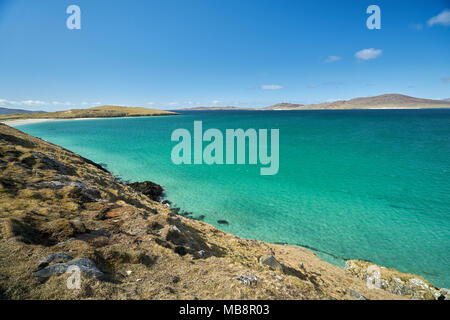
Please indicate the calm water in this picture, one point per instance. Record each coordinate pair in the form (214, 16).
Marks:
(371, 185)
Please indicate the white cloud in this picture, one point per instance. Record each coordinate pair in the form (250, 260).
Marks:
(332, 59)
(446, 79)
(150, 103)
(22, 104)
(271, 87)
(216, 101)
(368, 54)
(442, 18)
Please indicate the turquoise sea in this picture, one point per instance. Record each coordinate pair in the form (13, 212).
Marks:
(366, 184)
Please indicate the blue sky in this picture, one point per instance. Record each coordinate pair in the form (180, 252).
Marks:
(179, 53)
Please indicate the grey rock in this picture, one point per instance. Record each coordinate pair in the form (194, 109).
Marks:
(355, 294)
(248, 279)
(59, 257)
(398, 287)
(47, 272)
(416, 283)
(445, 294)
(417, 296)
(276, 276)
(273, 263)
(201, 254)
(87, 267)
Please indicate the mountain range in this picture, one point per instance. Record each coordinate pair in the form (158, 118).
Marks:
(16, 111)
(385, 101)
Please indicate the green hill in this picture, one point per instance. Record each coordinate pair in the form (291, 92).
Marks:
(96, 112)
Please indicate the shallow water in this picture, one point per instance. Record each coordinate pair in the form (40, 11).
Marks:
(366, 184)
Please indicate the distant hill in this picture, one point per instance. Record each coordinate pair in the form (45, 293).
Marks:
(394, 101)
(13, 111)
(446, 99)
(96, 112)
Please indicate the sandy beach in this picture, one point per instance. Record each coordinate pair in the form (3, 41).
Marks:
(18, 122)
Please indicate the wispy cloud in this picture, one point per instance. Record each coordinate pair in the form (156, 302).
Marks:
(368, 54)
(446, 79)
(332, 59)
(416, 26)
(442, 18)
(271, 87)
(22, 104)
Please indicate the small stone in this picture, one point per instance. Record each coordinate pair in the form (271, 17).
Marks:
(201, 254)
(273, 263)
(248, 279)
(224, 222)
(355, 294)
(129, 272)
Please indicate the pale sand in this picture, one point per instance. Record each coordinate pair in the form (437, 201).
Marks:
(18, 122)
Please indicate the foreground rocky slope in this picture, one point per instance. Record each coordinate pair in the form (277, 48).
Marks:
(59, 210)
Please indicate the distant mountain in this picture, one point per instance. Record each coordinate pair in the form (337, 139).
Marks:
(14, 111)
(446, 99)
(387, 101)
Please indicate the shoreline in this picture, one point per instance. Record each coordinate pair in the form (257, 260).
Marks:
(18, 122)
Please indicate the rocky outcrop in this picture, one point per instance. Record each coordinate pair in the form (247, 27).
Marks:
(396, 282)
(150, 189)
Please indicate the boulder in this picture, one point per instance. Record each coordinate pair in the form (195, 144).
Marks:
(152, 190)
(87, 267)
(273, 263)
(248, 279)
